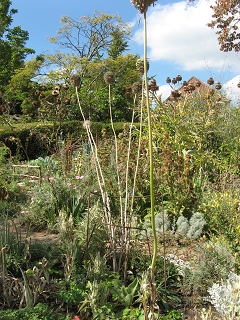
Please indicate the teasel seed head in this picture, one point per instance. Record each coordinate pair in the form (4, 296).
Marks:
(128, 92)
(42, 96)
(238, 85)
(136, 87)
(168, 80)
(218, 86)
(75, 80)
(108, 77)
(179, 78)
(210, 81)
(55, 93)
(58, 101)
(153, 86)
(142, 5)
(176, 94)
(174, 80)
(65, 86)
(140, 65)
(57, 87)
(198, 84)
(67, 101)
(87, 124)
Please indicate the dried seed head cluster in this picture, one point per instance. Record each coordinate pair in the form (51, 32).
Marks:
(140, 65)
(210, 81)
(128, 92)
(142, 5)
(108, 77)
(136, 87)
(87, 124)
(178, 78)
(75, 80)
(218, 86)
(153, 86)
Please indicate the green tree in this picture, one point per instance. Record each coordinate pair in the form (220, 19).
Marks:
(93, 46)
(12, 44)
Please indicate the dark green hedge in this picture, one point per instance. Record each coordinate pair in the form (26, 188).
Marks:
(32, 140)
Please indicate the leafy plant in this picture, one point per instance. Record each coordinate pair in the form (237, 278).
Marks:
(126, 295)
(39, 312)
(226, 297)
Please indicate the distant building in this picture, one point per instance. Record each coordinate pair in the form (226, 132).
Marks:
(194, 86)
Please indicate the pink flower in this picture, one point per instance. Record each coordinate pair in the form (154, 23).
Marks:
(68, 184)
(79, 177)
(76, 318)
(74, 187)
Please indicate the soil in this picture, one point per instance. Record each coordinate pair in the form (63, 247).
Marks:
(22, 231)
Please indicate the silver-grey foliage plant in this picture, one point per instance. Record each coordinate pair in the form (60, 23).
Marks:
(225, 297)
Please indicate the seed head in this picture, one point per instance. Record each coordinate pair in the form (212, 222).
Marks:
(65, 86)
(75, 80)
(179, 78)
(142, 5)
(153, 86)
(108, 77)
(176, 94)
(55, 93)
(210, 81)
(168, 80)
(87, 124)
(218, 86)
(136, 87)
(140, 65)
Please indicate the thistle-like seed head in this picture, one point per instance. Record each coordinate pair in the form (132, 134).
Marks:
(136, 87)
(140, 65)
(142, 5)
(75, 80)
(218, 86)
(210, 81)
(179, 78)
(87, 124)
(55, 93)
(108, 77)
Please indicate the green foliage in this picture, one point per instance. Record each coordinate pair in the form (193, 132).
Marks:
(126, 295)
(173, 314)
(12, 44)
(221, 210)
(71, 293)
(213, 262)
(39, 312)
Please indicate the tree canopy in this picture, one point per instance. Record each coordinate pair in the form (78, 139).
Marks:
(12, 44)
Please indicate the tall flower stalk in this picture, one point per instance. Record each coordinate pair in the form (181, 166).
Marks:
(142, 7)
(75, 81)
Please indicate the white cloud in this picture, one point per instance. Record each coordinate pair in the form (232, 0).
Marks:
(231, 89)
(178, 33)
(164, 91)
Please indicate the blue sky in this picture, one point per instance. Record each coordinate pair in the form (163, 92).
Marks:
(179, 42)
